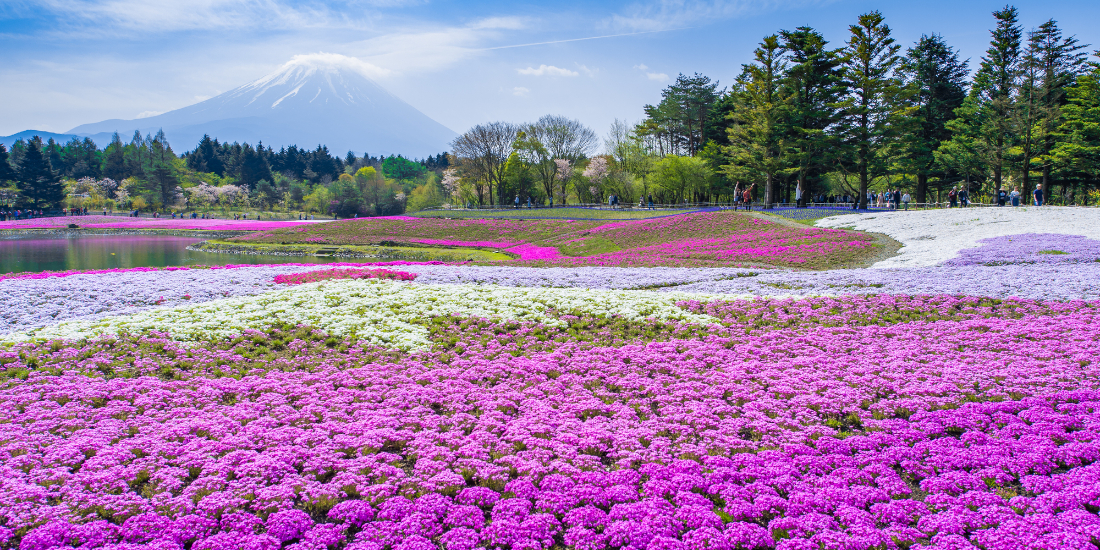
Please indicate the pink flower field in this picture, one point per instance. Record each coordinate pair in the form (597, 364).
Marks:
(705, 239)
(852, 423)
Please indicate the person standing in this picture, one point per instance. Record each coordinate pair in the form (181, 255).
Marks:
(905, 201)
(1038, 195)
(897, 199)
(747, 197)
(798, 195)
(964, 197)
(953, 197)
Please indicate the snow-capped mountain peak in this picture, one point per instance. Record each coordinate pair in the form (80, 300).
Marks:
(312, 99)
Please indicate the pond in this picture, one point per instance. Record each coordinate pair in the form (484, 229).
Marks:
(107, 252)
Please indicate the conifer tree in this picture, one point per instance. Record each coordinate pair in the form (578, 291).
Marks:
(815, 86)
(757, 146)
(7, 173)
(937, 81)
(994, 91)
(39, 183)
(874, 97)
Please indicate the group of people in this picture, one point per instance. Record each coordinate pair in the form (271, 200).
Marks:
(19, 214)
(742, 198)
(893, 199)
(1004, 198)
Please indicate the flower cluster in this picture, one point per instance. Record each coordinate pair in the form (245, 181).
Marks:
(932, 237)
(335, 274)
(1031, 248)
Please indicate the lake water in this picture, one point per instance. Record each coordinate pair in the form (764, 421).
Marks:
(107, 252)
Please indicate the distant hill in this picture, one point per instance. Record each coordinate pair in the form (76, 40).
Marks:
(321, 99)
(28, 134)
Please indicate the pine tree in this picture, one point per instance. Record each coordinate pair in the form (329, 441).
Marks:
(815, 86)
(873, 103)
(7, 173)
(937, 81)
(114, 159)
(995, 87)
(39, 183)
(1077, 139)
(1056, 62)
(757, 146)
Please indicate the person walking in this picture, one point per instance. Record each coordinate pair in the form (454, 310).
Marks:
(1014, 196)
(905, 201)
(1038, 193)
(897, 199)
(1002, 197)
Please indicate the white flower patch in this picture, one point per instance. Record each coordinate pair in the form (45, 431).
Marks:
(931, 237)
(379, 312)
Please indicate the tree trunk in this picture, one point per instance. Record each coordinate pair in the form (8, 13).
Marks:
(922, 188)
(769, 190)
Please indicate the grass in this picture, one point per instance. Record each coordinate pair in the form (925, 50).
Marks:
(548, 214)
(407, 253)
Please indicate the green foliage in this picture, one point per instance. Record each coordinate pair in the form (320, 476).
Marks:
(681, 177)
(39, 184)
(401, 168)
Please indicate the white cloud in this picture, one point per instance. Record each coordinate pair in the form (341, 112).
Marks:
(659, 15)
(641, 67)
(659, 77)
(520, 91)
(426, 50)
(547, 70)
(147, 114)
(586, 70)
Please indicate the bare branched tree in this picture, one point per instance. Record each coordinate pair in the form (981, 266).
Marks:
(483, 153)
(555, 137)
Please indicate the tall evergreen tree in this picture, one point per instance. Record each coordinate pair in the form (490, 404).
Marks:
(873, 103)
(7, 173)
(757, 137)
(1056, 62)
(815, 86)
(937, 81)
(995, 86)
(114, 159)
(39, 183)
(1077, 139)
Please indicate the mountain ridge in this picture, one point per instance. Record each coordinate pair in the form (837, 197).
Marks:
(316, 99)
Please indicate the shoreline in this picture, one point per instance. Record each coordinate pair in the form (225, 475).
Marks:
(103, 232)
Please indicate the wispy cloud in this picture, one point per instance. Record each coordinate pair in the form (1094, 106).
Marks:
(641, 67)
(659, 77)
(420, 50)
(547, 70)
(661, 15)
(520, 91)
(182, 15)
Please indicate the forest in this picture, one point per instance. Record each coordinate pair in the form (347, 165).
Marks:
(843, 120)
(147, 175)
(830, 120)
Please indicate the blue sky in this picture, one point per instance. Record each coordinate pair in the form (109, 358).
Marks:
(69, 62)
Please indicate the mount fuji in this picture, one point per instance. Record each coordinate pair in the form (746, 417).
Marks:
(324, 99)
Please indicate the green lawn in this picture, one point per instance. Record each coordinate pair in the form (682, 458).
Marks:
(548, 213)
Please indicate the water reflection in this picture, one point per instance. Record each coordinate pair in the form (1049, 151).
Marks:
(107, 252)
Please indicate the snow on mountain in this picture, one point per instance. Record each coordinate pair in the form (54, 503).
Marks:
(324, 99)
